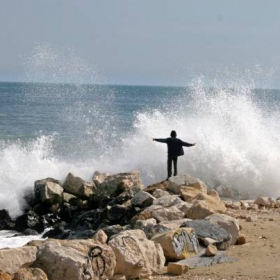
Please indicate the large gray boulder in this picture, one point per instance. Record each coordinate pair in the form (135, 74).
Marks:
(178, 244)
(142, 199)
(168, 214)
(186, 181)
(137, 257)
(151, 229)
(129, 183)
(12, 259)
(48, 191)
(79, 187)
(204, 229)
(167, 201)
(230, 224)
(75, 260)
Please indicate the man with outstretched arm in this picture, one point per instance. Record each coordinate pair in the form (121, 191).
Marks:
(174, 150)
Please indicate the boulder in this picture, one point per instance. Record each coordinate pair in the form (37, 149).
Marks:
(205, 205)
(121, 214)
(12, 259)
(29, 220)
(6, 222)
(68, 196)
(99, 177)
(151, 231)
(88, 220)
(199, 210)
(204, 229)
(79, 187)
(262, 201)
(177, 268)
(146, 213)
(178, 244)
(168, 214)
(75, 260)
(167, 201)
(195, 191)
(30, 274)
(184, 207)
(141, 224)
(142, 199)
(137, 256)
(48, 191)
(211, 250)
(113, 185)
(160, 193)
(230, 224)
(158, 186)
(186, 186)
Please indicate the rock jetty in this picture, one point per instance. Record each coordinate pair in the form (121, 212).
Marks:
(114, 228)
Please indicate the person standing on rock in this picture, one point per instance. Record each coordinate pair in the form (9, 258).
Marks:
(174, 150)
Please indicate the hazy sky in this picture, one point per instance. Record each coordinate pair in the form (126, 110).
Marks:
(138, 41)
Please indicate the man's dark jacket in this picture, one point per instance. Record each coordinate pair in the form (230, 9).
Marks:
(174, 146)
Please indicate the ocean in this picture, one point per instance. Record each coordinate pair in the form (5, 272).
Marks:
(51, 129)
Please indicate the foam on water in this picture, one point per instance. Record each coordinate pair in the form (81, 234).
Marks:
(22, 164)
(237, 147)
(12, 239)
(237, 138)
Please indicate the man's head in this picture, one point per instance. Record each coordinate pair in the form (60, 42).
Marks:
(173, 134)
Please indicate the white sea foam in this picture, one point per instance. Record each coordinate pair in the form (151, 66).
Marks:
(22, 164)
(237, 139)
(237, 147)
(12, 239)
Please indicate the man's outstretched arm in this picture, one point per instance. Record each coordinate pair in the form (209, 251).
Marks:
(185, 144)
(161, 140)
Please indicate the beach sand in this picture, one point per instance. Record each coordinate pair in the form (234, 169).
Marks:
(259, 258)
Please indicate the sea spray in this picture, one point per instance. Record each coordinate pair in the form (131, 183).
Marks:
(235, 130)
(236, 135)
(59, 127)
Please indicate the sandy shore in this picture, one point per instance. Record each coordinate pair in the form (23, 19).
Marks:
(259, 258)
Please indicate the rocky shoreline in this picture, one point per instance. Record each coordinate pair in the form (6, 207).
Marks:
(114, 228)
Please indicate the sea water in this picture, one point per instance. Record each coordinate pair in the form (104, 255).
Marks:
(50, 129)
(69, 119)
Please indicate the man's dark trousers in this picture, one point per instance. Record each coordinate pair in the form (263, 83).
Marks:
(169, 165)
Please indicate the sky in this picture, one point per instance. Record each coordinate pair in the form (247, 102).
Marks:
(142, 42)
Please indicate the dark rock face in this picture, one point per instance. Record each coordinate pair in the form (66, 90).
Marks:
(29, 220)
(204, 229)
(88, 220)
(5, 220)
(121, 214)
